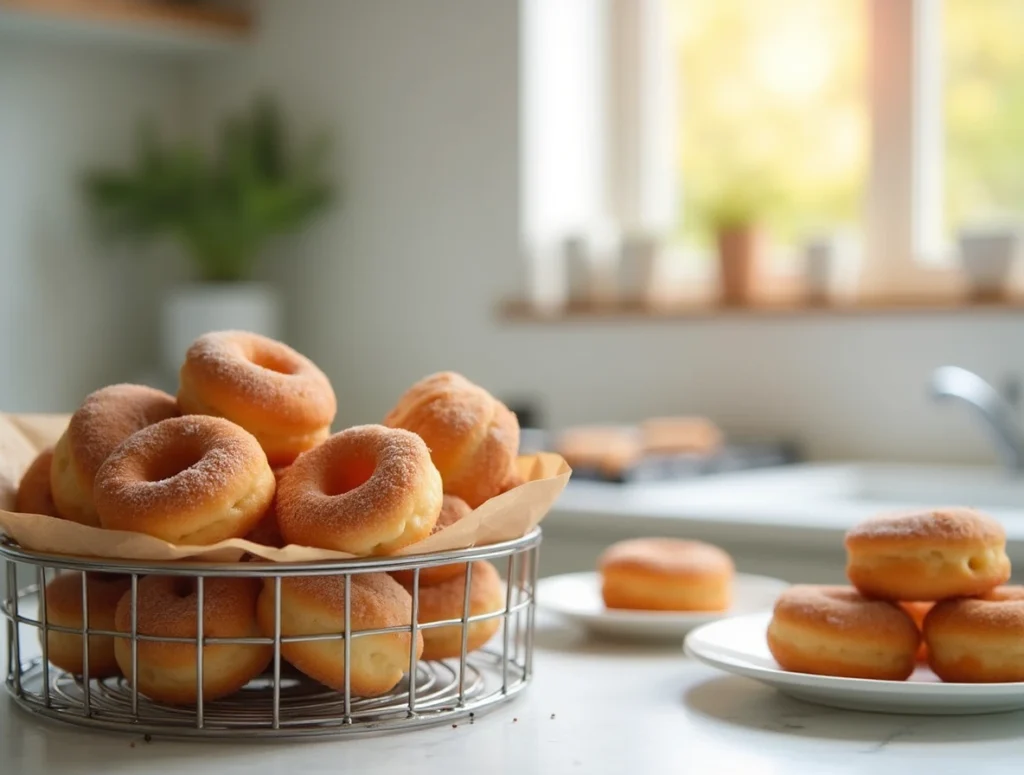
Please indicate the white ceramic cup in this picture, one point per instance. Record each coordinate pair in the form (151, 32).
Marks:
(987, 254)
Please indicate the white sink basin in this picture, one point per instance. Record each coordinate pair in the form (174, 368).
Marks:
(884, 486)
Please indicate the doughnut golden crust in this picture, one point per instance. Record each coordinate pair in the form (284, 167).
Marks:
(473, 438)
(978, 640)
(665, 574)
(453, 509)
(315, 605)
(34, 493)
(64, 609)
(445, 601)
(168, 608)
(272, 391)
(827, 630)
(188, 480)
(366, 490)
(267, 532)
(928, 555)
(105, 419)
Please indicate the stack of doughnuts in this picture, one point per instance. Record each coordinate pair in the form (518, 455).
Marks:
(245, 450)
(666, 574)
(926, 586)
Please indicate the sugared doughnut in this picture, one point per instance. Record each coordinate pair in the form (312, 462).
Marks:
(828, 630)
(64, 609)
(927, 555)
(315, 605)
(267, 532)
(472, 436)
(167, 608)
(445, 601)
(666, 574)
(453, 509)
(188, 480)
(265, 386)
(611, 451)
(680, 435)
(35, 495)
(917, 612)
(366, 490)
(978, 640)
(105, 419)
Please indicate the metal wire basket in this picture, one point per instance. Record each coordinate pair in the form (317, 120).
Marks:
(282, 703)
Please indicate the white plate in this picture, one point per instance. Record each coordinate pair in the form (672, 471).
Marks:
(577, 596)
(740, 646)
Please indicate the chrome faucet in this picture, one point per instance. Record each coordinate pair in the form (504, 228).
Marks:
(997, 413)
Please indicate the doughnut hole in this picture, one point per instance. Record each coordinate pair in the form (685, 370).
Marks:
(273, 361)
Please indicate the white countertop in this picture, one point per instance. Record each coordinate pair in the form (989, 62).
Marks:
(593, 708)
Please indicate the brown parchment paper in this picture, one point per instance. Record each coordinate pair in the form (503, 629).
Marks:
(22, 436)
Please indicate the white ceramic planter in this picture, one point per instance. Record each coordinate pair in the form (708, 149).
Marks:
(987, 255)
(191, 310)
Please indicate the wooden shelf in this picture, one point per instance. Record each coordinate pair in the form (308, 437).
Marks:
(522, 312)
(154, 25)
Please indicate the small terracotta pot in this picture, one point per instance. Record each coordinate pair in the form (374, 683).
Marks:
(739, 256)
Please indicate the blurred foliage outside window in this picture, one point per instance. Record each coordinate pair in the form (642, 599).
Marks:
(775, 119)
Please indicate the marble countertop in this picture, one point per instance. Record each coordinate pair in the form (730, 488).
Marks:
(595, 707)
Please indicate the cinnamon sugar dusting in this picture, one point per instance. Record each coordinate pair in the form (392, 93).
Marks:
(399, 462)
(235, 367)
(229, 607)
(842, 608)
(134, 479)
(110, 415)
(947, 524)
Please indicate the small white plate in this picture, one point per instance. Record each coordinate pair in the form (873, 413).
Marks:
(740, 646)
(577, 596)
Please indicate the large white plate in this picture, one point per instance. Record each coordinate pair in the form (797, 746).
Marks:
(739, 646)
(577, 596)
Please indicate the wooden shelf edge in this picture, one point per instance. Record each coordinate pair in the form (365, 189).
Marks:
(135, 15)
(519, 311)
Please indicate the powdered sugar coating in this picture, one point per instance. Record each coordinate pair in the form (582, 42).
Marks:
(954, 525)
(110, 415)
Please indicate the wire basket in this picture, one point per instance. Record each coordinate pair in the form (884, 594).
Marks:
(282, 703)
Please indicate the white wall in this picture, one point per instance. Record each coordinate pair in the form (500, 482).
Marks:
(73, 313)
(404, 278)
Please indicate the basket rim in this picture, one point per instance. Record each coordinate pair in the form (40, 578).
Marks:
(265, 568)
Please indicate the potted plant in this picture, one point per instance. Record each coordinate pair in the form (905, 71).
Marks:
(732, 217)
(222, 209)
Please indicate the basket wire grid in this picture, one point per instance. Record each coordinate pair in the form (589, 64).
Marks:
(282, 703)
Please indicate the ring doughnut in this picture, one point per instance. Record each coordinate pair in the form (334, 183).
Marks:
(188, 480)
(64, 609)
(445, 601)
(167, 608)
(272, 391)
(366, 490)
(107, 417)
(978, 640)
(826, 630)
(927, 555)
(472, 436)
(453, 508)
(315, 605)
(35, 496)
(666, 574)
